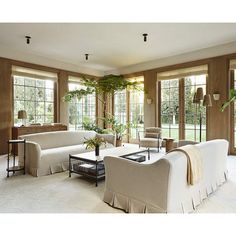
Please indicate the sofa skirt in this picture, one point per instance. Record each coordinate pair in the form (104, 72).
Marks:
(192, 199)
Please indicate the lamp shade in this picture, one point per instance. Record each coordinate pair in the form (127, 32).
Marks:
(22, 114)
(199, 94)
(207, 100)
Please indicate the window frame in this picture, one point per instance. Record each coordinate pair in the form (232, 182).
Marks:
(95, 106)
(232, 115)
(127, 137)
(55, 95)
(181, 107)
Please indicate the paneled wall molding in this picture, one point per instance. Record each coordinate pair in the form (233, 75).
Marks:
(5, 104)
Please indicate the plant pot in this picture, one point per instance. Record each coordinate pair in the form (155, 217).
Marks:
(97, 151)
(118, 142)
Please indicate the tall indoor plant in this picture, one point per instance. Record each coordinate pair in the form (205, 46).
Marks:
(104, 88)
(117, 128)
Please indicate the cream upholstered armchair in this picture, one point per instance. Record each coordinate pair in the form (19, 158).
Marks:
(150, 138)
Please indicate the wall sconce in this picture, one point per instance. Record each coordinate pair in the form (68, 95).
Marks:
(216, 96)
(149, 101)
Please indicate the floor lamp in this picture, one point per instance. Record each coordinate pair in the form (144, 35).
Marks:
(197, 99)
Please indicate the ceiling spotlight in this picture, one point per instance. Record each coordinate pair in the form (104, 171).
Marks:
(28, 39)
(145, 37)
(86, 56)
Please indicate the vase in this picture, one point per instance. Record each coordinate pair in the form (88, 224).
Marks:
(118, 142)
(96, 151)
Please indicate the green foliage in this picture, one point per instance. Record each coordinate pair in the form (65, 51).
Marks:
(232, 98)
(79, 93)
(170, 102)
(90, 125)
(117, 128)
(94, 142)
(109, 84)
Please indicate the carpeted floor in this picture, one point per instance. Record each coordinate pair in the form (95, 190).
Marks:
(60, 194)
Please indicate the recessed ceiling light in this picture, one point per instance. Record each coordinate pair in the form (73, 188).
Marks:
(145, 37)
(28, 39)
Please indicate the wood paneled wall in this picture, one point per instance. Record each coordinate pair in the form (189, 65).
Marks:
(5, 104)
(150, 80)
(218, 81)
(62, 89)
(218, 123)
(6, 99)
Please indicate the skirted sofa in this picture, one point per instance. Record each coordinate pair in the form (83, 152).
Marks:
(48, 153)
(162, 186)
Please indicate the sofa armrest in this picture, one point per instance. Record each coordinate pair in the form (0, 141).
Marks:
(33, 154)
(110, 138)
(147, 183)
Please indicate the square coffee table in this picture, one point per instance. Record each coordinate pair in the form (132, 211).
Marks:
(92, 166)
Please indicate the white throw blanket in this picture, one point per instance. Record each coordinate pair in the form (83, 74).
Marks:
(194, 163)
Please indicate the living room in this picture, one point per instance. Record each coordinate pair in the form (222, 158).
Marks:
(112, 83)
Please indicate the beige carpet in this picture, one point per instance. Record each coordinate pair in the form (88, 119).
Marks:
(60, 194)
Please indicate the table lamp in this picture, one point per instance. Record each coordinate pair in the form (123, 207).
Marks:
(22, 115)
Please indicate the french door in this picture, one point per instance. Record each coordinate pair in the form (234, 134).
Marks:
(179, 117)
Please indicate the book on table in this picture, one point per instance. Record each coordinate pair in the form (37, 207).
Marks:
(90, 168)
(136, 157)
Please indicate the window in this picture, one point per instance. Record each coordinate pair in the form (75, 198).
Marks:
(170, 108)
(34, 95)
(120, 108)
(233, 108)
(136, 114)
(129, 107)
(82, 110)
(179, 117)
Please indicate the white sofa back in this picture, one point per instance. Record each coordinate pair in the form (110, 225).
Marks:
(59, 138)
(162, 186)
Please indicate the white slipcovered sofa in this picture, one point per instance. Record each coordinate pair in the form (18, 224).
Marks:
(48, 153)
(162, 186)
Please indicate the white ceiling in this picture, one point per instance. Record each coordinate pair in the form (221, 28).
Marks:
(112, 46)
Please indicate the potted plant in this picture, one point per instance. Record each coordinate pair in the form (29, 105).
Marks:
(94, 143)
(117, 128)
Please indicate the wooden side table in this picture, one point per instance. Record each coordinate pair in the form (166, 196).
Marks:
(169, 144)
(13, 143)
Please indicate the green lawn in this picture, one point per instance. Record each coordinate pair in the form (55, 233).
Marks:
(189, 132)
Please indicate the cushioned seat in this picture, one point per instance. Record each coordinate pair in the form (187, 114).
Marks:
(151, 138)
(162, 186)
(47, 153)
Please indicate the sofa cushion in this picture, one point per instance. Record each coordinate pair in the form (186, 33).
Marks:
(149, 142)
